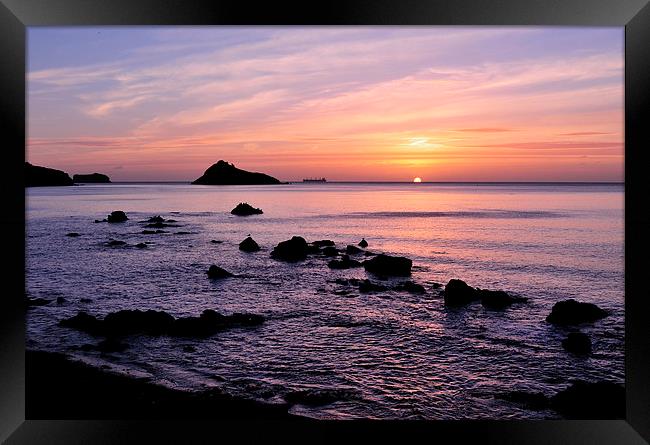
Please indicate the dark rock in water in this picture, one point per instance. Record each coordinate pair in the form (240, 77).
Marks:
(72, 234)
(30, 302)
(344, 263)
(530, 400)
(114, 242)
(189, 348)
(223, 173)
(323, 243)
(459, 293)
(599, 400)
(410, 286)
(156, 219)
(160, 225)
(101, 220)
(128, 321)
(312, 249)
(85, 300)
(352, 250)
(216, 272)
(36, 176)
(366, 253)
(214, 241)
(152, 232)
(436, 285)
(577, 343)
(389, 265)
(92, 178)
(117, 216)
(249, 245)
(210, 322)
(111, 345)
(497, 299)
(363, 243)
(84, 322)
(180, 232)
(141, 246)
(60, 300)
(245, 209)
(367, 286)
(291, 250)
(330, 251)
(571, 312)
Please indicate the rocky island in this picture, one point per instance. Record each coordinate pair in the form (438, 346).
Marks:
(224, 173)
(36, 176)
(93, 178)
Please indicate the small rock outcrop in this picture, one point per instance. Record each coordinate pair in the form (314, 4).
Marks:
(36, 176)
(249, 245)
(72, 234)
(352, 250)
(292, 250)
(459, 293)
(245, 209)
(330, 251)
(117, 216)
(363, 243)
(389, 265)
(411, 287)
(93, 178)
(572, 312)
(224, 173)
(577, 343)
(216, 272)
(367, 286)
(323, 243)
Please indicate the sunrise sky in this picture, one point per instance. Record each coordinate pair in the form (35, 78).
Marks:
(356, 103)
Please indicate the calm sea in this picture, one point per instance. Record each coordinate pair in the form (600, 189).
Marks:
(383, 355)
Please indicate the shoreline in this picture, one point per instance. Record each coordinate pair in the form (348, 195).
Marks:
(57, 386)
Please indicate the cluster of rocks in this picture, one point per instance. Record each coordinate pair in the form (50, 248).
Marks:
(156, 323)
(368, 286)
(458, 293)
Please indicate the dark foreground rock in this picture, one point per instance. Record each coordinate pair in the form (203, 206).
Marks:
(245, 209)
(93, 178)
(459, 293)
(352, 250)
(530, 400)
(36, 176)
(31, 302)
(249, 245)
(216, 272)
(117, 216)
(344, 263)
(323, 243)
(292, 250)
(572, 312)
(389, 265)
(577, 343)
(65, 389)
(599, 400)
(320, 397)
(157, 323)
(329, 251)
(223, 173)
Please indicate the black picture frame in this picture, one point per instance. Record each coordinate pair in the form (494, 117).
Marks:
(634, 15)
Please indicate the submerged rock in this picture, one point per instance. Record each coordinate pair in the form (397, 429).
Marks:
(577, 343)
(60, 300)
(224, 173)
(117, 216)
(85, 300)
(245, 209)
(388, 265)
(530, 400)
(291, 250)
(111, 345)
(363, 243)
(30, 302)
(36, 176)
(367, 286)
(141, 246)
(72, 234)
(410, 286)
(599, 400)
(152, 232)
(330, 251)
(497, 299)
(156, 219)
(249, 245)
(344, 263)
(216, 272)
(572, 312)
(214, 241)
(114, 242)
(84, 322)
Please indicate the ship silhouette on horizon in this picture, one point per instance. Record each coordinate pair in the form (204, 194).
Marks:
(314, 180)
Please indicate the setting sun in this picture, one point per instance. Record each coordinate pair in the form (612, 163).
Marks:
(417, 180)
